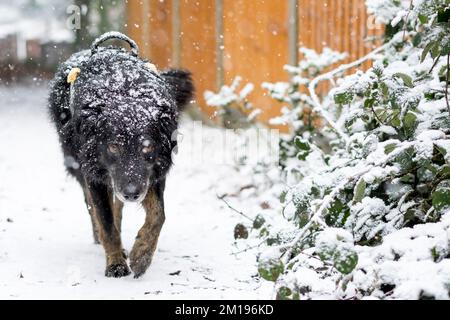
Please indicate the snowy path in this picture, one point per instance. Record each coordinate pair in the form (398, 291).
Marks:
(46, 247)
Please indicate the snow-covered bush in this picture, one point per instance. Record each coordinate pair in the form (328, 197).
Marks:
(233, 108)
(297, 114)
(371, 216)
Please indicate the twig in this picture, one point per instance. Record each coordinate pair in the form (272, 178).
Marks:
(434, 64)
(402, 200)
(235, 210)
(406, 20)
(248, 248)
(376, 116)
(446, 84)
(430, 211)
(393, 115)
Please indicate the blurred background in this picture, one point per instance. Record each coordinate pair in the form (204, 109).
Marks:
(216, 39)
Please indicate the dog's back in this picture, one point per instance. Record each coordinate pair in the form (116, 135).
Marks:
(109, 73)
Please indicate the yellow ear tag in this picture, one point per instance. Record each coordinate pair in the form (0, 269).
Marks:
(73, 74)
(152, 67)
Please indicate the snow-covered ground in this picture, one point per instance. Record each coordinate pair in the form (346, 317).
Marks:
(46, 245)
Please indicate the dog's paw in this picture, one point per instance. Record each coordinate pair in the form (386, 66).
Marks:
(117, 270)
(139, 262)
(140, 265)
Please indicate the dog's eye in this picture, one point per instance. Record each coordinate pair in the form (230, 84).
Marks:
(147, 150)
(113, 148)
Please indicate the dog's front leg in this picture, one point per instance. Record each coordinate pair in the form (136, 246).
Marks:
(100, 198)
(145, 245)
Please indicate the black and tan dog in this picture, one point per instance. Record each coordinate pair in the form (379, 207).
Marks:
(116, 117)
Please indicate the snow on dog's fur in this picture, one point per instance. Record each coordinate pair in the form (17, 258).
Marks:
(116, 117)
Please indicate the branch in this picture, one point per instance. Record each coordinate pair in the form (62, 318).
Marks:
(406, 19)
(248, 248)
(434, 64)
(446, 83)
(235, 210)
(330, 75)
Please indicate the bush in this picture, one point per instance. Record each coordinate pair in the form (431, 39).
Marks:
(367, 206)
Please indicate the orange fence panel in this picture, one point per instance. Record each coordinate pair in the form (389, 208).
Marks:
(198, 45)
(220, 39)
(256, 46)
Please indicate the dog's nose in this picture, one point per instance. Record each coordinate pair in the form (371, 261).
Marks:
(131, 192)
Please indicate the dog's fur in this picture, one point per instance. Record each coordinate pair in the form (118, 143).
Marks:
(117, 134)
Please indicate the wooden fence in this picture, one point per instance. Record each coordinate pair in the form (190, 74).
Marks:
(219, 39)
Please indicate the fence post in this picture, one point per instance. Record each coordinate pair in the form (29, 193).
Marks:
(176, 33)
(219, 44)
(145, 37)
(293, 31)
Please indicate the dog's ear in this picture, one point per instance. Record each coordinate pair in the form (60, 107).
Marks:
(182, 86)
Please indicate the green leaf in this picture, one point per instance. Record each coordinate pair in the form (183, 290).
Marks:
(441, 196)
(417, 39)
(424, 174)
(263, 232)
(435, 254)
(441, 123)
(423, 18)
(270, 270)
(338, 213)
(444, 15)
(273, 241)
(441, 150)
(389, 148)
(405, 159)
(408, 178)
(444, 171)
(303, 147)
(339, 251)
(345, 261)
(410, 120)
(369, 103)
(258, 222)
(302, 144)
(435, 50)
(360, 191)
(343, 98)
(284, 293)
(384, 89)
(407, 80)
(283, 196)
(427, 50)
(410, 123)
(395, 122)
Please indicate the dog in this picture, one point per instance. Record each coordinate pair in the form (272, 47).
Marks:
(116, 117)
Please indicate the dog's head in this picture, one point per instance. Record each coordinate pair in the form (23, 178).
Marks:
(127, 117)
(132, 160)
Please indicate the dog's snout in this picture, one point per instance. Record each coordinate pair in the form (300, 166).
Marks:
(132, 192)
(129, 188)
